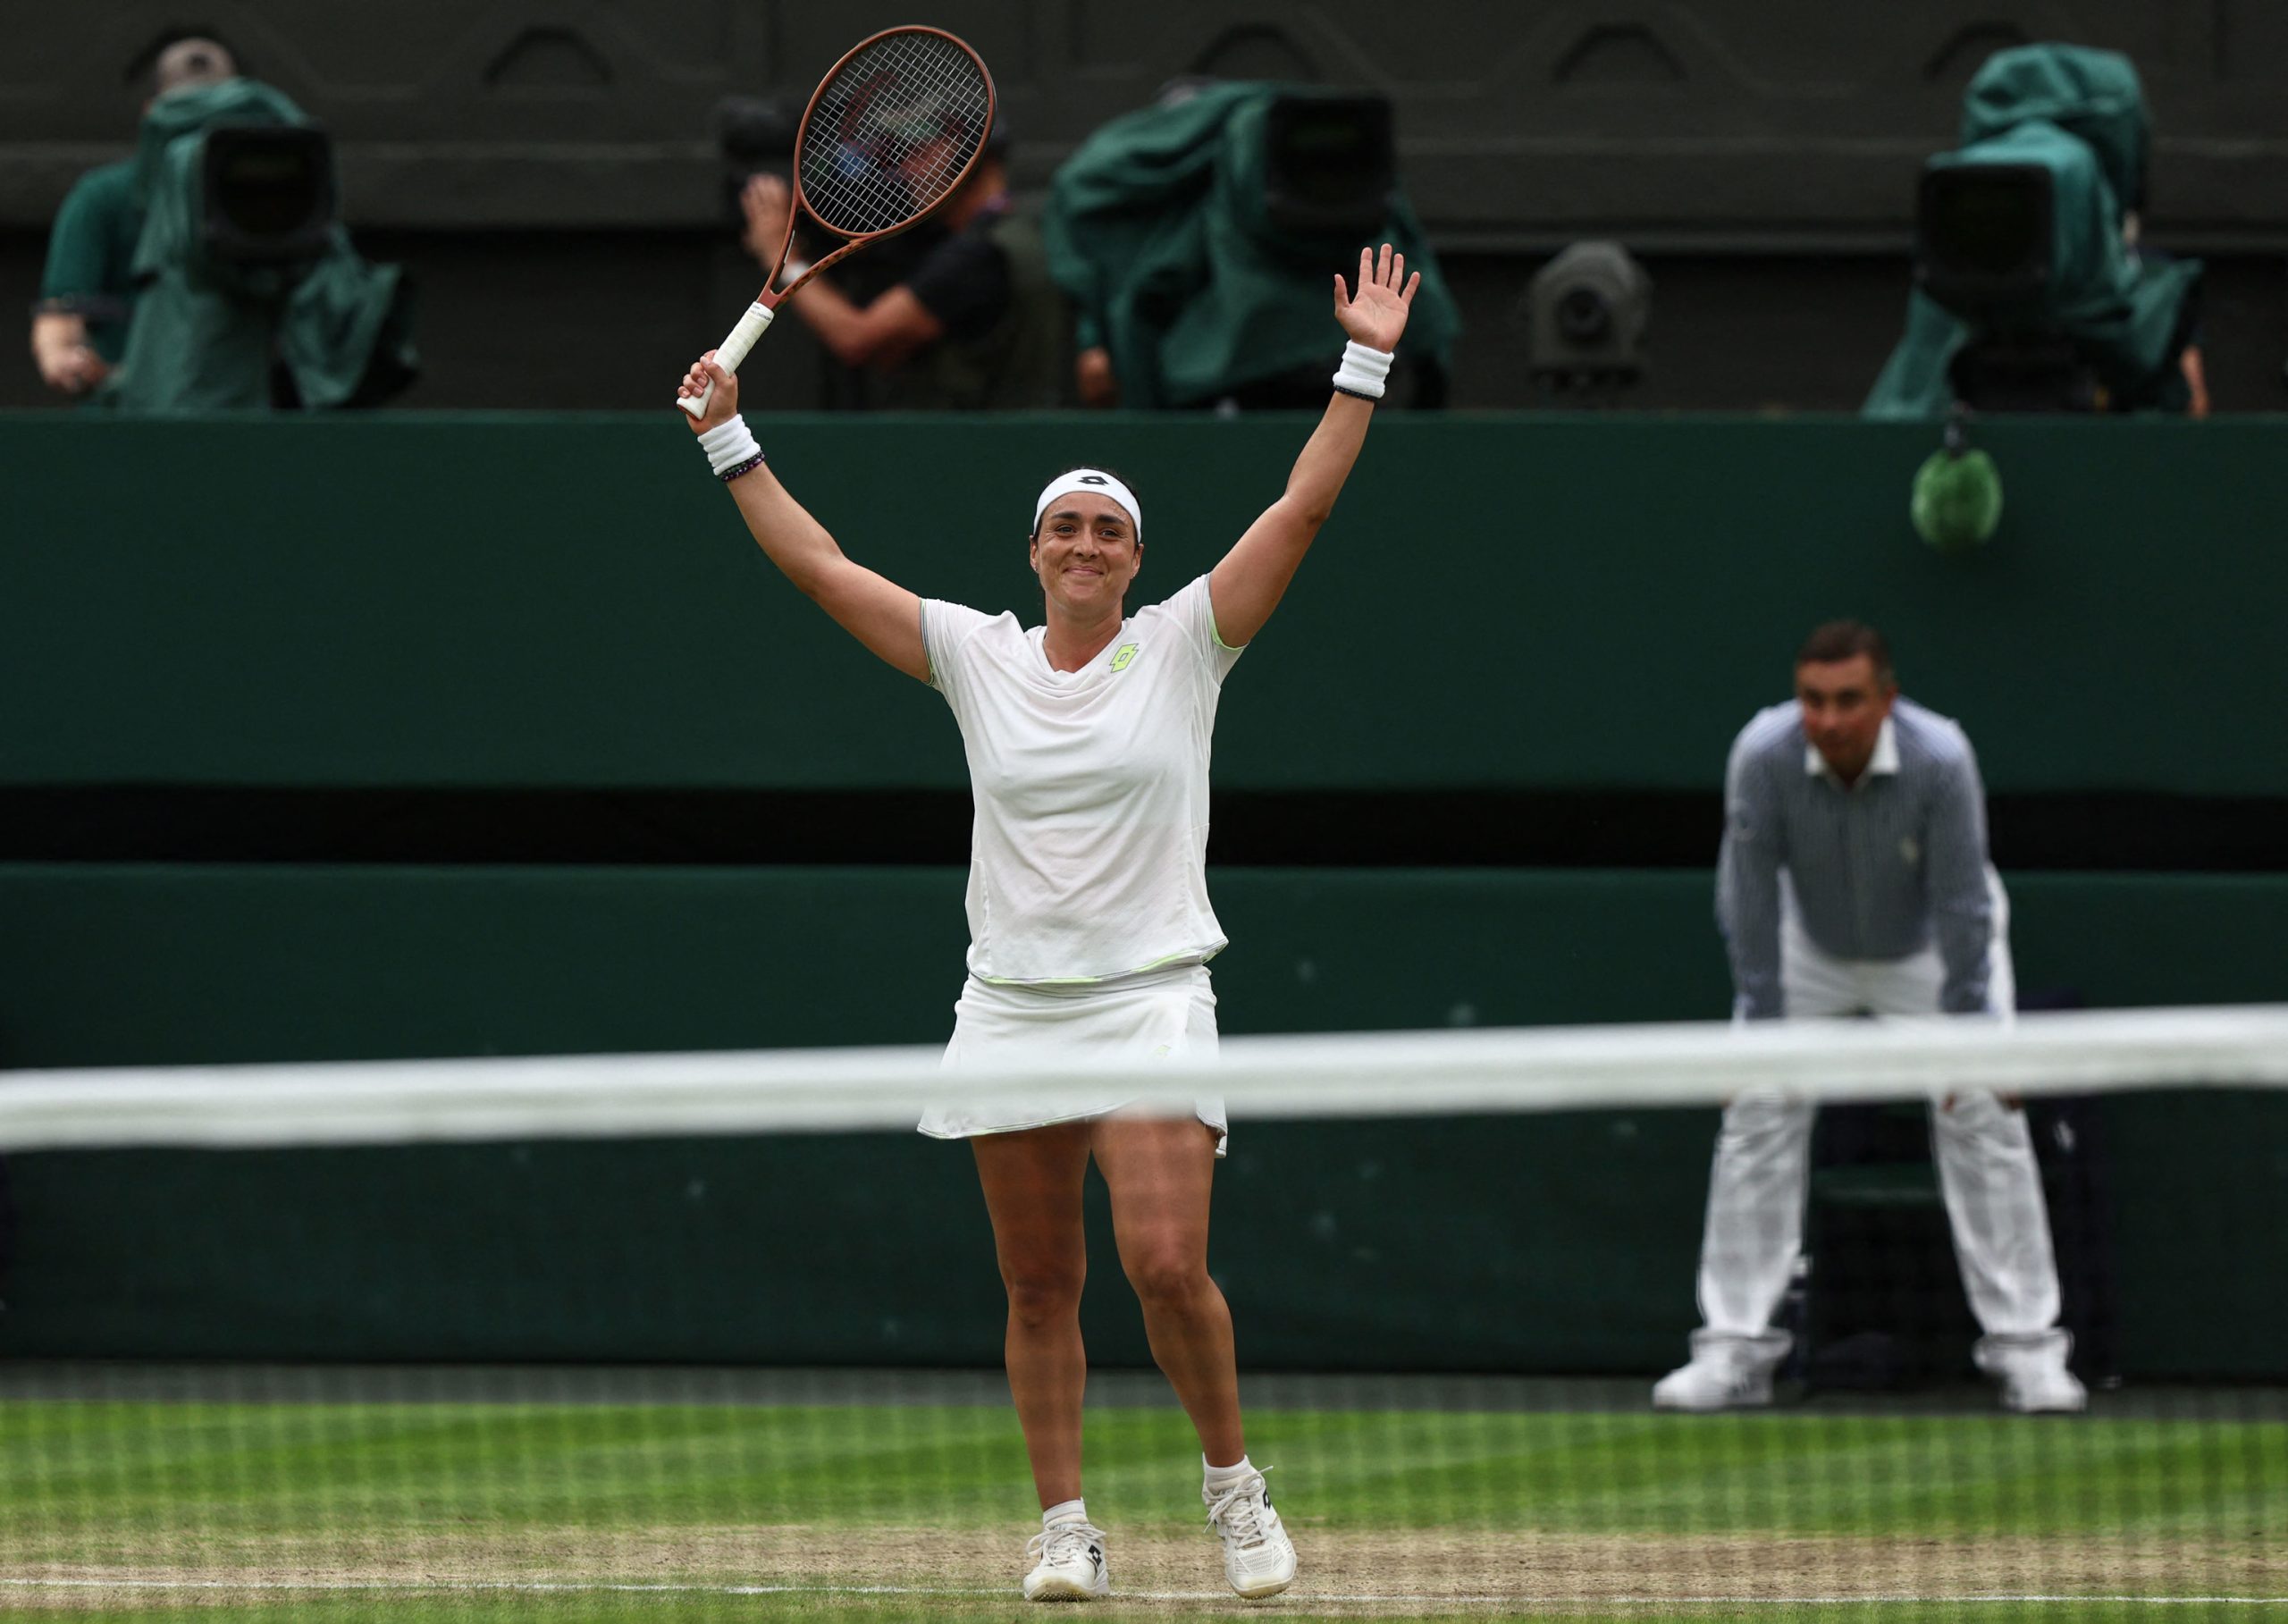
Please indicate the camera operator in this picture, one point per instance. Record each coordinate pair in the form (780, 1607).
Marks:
(2033, 291)
(973, 322)
(87, 292)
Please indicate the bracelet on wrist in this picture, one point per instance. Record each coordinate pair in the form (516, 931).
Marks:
(728, 474)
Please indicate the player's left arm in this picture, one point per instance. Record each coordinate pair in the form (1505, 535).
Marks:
(1961, 908)
(1253, 576)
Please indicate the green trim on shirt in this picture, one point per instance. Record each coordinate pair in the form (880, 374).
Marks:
(1216, 631)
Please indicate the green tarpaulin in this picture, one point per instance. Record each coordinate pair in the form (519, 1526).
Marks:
(2080, 115)
(1158, 230)
(207, 332)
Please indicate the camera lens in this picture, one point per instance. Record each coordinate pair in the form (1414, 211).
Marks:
(1583, 316)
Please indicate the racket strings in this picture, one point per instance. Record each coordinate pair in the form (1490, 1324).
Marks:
(892, 132)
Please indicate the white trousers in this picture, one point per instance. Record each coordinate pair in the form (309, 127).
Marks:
(1986, 1162)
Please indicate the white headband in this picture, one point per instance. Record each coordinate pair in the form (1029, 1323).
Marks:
(1096, 480)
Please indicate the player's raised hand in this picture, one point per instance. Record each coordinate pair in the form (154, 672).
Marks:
(722, 405)
(1376, 315)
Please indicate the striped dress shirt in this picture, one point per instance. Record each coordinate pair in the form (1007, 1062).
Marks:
(1878, 870)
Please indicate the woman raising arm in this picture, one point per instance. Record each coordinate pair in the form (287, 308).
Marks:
(1087, 741)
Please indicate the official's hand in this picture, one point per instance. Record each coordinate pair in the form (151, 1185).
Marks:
(1376, 315)
(1092, 373)
(764, 200)
(725, 403)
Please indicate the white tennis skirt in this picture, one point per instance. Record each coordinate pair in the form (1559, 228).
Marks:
(1167, 1015)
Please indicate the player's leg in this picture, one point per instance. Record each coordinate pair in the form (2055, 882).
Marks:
(1033, 1192)
(1032, 1181)
(1160, 1172)
(1755, 1227)
(1158, 1162)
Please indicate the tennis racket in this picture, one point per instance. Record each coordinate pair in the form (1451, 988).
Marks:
(894, 128)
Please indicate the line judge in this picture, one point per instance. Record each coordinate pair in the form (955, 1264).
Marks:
(1853, 881)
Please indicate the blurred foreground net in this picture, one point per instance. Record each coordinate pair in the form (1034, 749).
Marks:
(595, 1336)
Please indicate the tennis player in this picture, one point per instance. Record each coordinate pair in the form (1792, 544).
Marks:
(1089, 927)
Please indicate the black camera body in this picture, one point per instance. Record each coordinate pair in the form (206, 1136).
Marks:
(267, 194)
(1330, 164)
(1983, 238)
(1587, 315)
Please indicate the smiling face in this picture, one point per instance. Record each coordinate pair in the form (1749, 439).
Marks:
(1845, 704)
(1086, 552)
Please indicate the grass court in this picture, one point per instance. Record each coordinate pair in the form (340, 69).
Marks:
(658, 1511)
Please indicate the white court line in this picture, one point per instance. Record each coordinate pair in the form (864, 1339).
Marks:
(603, 1586)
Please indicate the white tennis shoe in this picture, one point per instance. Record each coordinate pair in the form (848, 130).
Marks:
(2034, 1380)
(1072, 1565)
(1722, 1375)
(1259, 1558)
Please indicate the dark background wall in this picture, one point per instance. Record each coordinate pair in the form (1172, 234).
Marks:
(1551, 1242)
(548, 169)
(436, 736)
(1503, 602)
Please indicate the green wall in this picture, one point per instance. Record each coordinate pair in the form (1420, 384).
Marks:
(1540, 1243)
(1518, 604)
(1511, 601)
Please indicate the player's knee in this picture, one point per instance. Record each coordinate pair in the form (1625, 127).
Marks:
(1167, 1280)
(1041, 1295)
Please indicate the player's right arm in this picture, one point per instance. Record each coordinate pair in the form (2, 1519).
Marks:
(876, 611)
(1748, 888)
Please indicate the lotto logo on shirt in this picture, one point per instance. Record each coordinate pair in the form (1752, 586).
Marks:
(1122, 655)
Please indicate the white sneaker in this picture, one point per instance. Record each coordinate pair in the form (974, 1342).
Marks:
(1259, 1558)
(1072, 1565)
(2035, 1381)
(1719, 1377)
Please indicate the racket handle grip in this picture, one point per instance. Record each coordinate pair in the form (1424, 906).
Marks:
(728, 354)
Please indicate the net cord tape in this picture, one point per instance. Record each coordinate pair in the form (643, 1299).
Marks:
(1498, 1072)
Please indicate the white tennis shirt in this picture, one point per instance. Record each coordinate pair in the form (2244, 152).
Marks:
(1088, 852)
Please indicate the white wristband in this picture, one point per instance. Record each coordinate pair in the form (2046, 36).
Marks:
(1363, 370)
(729, 444)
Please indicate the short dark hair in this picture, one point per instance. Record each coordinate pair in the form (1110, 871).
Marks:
(1847, 640)
(1090, 467)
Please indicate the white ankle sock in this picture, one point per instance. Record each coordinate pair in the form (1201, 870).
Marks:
(1224, 1476)
(1065, 1511)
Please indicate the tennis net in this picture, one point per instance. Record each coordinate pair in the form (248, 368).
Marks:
(590, 1337)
